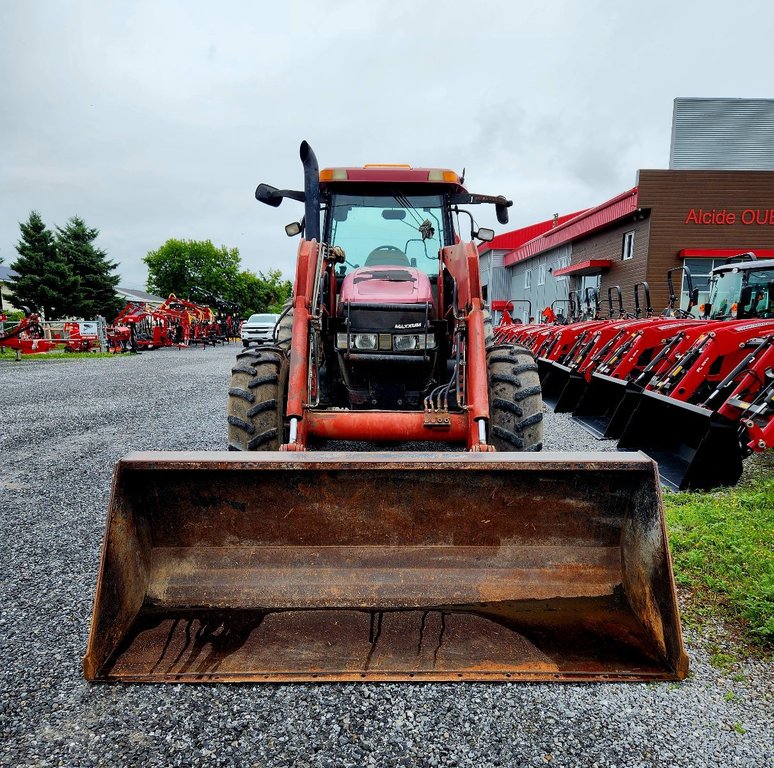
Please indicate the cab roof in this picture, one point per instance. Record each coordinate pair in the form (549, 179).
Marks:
(753, 264)
(391, 173)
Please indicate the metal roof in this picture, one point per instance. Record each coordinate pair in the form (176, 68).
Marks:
(133, 294)
(589, 221)
(507, 241)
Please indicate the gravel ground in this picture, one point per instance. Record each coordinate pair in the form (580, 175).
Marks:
(62, 426)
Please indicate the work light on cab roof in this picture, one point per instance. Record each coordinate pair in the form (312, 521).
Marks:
(391, 172)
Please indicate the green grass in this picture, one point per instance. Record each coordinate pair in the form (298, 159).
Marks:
(723, 550)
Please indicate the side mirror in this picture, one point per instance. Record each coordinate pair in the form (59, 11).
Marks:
(501, 209)
(293, 229)
(485, 234)
(694, 297)
(267, 194)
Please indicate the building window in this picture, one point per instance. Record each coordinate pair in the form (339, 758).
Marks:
(700, 278)
(528, 278)
(628, 246)
(541, 274)
(561, 263)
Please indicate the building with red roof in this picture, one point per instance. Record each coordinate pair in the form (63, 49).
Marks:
(670, 220)
(715, 201)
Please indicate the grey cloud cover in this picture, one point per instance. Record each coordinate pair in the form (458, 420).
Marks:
(157, 119)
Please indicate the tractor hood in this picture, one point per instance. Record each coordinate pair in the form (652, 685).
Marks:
(386, 285)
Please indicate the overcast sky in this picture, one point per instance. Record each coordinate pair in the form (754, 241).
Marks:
(154, 120)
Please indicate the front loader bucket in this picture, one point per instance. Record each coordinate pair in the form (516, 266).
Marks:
(694, 447)
(553, 382)
(571, 393)
(598, 404)
(384, 566)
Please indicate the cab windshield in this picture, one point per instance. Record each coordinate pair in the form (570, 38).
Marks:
(760, 301)
(756, 301)
(725, 294)
(400, 230)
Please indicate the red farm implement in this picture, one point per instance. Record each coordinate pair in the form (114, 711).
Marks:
(33, 335)
(176, 322)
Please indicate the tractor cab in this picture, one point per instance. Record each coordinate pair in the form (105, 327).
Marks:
(392, 275)
(388, 333)
(742, 290)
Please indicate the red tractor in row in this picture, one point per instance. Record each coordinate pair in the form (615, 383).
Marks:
(693, 388)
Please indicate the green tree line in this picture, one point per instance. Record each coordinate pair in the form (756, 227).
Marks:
(63, 273)
(191, 268)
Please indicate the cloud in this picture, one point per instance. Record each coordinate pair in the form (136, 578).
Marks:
(157, 120)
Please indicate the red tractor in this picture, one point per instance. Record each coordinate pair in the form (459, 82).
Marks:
(386, 333)
(287, 565)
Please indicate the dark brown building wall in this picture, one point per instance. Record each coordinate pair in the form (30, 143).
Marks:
(609, 245)
(738, 206)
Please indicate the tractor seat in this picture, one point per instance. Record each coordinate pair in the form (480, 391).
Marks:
(384, 256)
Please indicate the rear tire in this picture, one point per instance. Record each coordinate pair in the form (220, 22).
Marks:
(515, 399)
(256, 400)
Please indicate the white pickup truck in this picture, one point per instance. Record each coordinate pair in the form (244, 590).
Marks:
(258, 329)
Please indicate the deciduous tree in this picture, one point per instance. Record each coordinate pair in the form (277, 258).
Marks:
(261, 292)
(198, 268)
(184, 266)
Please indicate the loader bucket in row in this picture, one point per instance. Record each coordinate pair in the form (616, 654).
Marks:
(694, 447)
(598, 404)
(553, 382)
(571, 393)
(385, 566)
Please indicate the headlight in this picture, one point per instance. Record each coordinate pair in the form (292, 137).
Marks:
(404, 342)
(366, 340)
(360, 341)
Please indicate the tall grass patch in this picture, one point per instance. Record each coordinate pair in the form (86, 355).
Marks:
(722, 546)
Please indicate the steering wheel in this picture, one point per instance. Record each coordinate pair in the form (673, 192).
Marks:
(386, 255)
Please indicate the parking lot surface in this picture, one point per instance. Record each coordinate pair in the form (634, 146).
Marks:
(63, 424)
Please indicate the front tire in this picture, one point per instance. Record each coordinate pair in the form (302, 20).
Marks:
(256, 400)
(284, 331)
(515, 399)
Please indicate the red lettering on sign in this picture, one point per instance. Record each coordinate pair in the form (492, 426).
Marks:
(700, 216)
(760, 216)
(691, 218)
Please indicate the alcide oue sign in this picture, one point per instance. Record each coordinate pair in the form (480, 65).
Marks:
(755, 216)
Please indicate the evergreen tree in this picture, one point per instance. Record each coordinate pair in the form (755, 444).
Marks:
(44, 279)
(97, 295)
